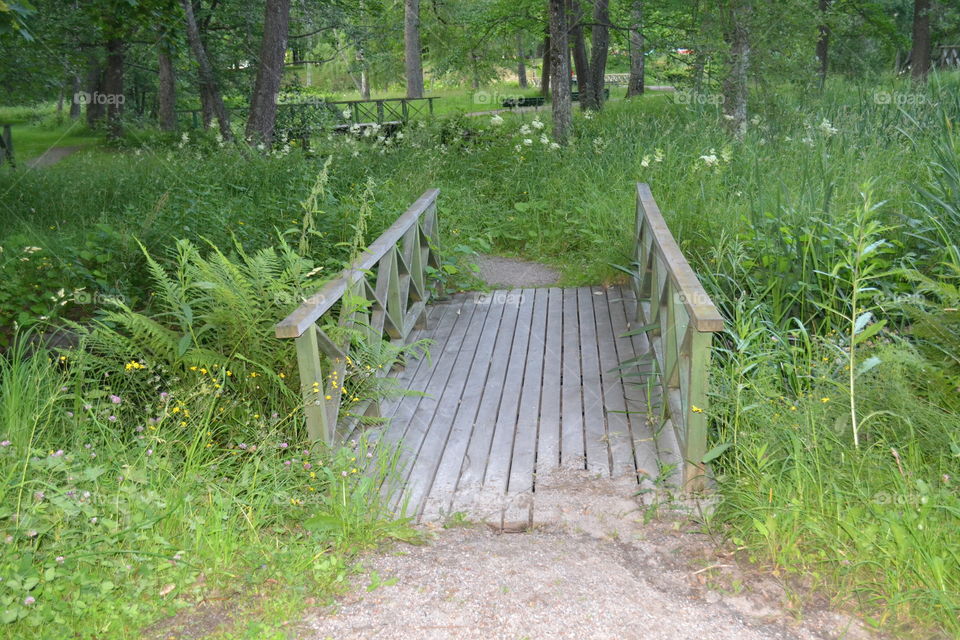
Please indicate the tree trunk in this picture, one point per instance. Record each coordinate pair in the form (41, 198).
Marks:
(823, 43)
(167, 92)
(94, 86)
(75, 103)
(581, 60)
(113, 87)
(411, 48)
(521, 62)
(920, 54)
(637, 59)
(209, 90)
(364, 75)
(735, 84)
(545, 71)
(273, 51)
(560, 72)
(600, 36)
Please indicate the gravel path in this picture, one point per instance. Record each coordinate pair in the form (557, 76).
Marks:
(513, 272)
(597, 571)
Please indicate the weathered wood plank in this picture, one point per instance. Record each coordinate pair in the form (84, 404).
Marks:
(440, 499)
(619, 435)
(497, 474)
(528, 418)
(438, 428)
(548, 437)
(594, 420)
(478, 450)
(572, 448)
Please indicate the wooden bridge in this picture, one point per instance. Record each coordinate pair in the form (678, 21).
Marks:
(520, 383)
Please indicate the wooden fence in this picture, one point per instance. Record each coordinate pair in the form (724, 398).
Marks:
(390, 279)
(6, 145)
(679, 319)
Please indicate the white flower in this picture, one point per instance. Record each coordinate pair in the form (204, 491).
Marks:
(496, 120)
(525, 130)
(727, 154)
(31, 249)
(554, 146)
(356, 152)
(827, 128)
(544, 139)
(517, 148)
(755, 120)
(185, 138)
(658, 155)
(399, 135)
(709, 160)
(537, 124)
(346, 114)
(645, 162)
(588, 115)
(367, 131)
(527, 141)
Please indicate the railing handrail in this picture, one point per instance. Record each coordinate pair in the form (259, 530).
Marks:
(703, 313)
(319, 303)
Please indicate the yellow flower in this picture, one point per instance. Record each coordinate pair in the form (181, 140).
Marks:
(229, 373)
(696, 409)
(282, 375)
(254, 374)
(824, 400)
(193, 368)
(328, 397)
(203, 371)
(793, 407)
(313, 474)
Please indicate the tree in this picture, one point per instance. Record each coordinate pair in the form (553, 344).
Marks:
(545, 70)
(560, 72)
(273, 51)
(637, 58)
(920, 53)
(521, 62)
(167, 93)
(735, 83)
(823, 42)
(600, 36)
(411, 48)
(209, 88)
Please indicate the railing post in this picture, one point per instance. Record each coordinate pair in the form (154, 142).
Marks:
(696, 418)
(312, 386)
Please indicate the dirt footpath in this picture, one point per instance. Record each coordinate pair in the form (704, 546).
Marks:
(596, 571)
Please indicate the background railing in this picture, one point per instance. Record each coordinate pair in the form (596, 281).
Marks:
(391, 283)
(680, 320)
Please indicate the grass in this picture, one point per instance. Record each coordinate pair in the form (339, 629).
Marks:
(827, 239)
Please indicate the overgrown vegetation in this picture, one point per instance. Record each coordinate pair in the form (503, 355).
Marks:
(828, 239)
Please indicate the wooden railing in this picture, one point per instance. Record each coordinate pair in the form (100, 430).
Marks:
(6, 145)
(391, 280)
(680, 320)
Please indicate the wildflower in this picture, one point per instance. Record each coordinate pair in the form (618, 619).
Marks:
(544, 139)
(115, 399)
(346, 114)
(827, 128)
(307, 466)
(554, 146)
(645, 162)
(588, 115)
(710, 160)
(29, 600)
(164, 395)
(527, 142)
(525, 130)
(39, 496)
(537, 124)
(112, 418)
(343, 473)
(149, 452)
(696, 409)
(5, 443)
(57, 454)
(284, 445)
(60, 559)
(824, 400)
(133, 365)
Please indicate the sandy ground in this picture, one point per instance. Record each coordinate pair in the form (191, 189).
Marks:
(589, 568)
(515, 273)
